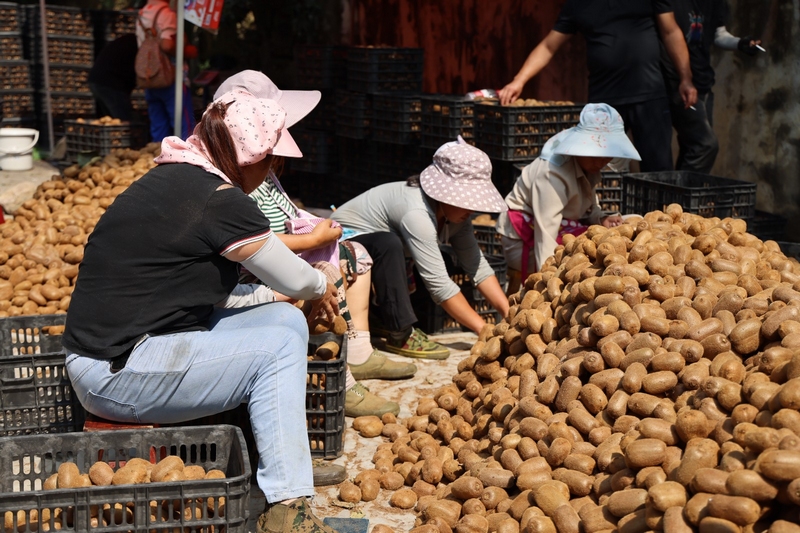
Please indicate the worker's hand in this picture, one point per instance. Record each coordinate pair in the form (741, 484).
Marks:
(688, 94)
(510, 92)
(612, 221)
(325, 234)
(326, 305)
(748, 45)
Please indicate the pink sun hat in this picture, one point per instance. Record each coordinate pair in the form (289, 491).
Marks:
(257, 127)
(297, 104)
(461, 175)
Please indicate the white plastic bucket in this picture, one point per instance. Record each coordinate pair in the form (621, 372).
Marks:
(16, 147)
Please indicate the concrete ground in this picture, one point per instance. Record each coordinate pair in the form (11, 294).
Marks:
(358, 451)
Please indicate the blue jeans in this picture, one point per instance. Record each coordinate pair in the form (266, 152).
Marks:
(161, 111)
(254, 355)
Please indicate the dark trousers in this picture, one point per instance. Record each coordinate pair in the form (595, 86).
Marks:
(650, 124)
(113, 102)
(697, 143)
(390, 279)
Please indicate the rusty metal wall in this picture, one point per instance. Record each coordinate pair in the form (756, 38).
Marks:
(473, 44)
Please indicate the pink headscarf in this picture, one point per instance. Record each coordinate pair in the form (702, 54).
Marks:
(257, 128)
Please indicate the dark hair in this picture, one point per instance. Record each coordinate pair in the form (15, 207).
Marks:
(413, 181)
(217, 140)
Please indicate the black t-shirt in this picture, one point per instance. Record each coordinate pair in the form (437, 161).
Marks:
(698, 20)
(622, 47)
(115, 64)
(152, 265)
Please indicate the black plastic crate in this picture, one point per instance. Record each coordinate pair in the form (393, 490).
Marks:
(63, 49)
(35, 392)
(505, 174)
(547, 118)
(99, 139)
(383, 69)
(790, 249)
(12, 17)
(432, 318)
(319, 152)
(518, 133)
(27, 461)
(445, 117)
(11, 46)
(321, 67)
(325, 399)
(15, 74)
(16, 102)
(65, 78)
(322, 117)
(66, 105)
(353, 115)
(61, 21)
(397, 118)
(114, 24)
(767, 226)
(701, 194)
(30, 334)
(488, 238)
(610, 192)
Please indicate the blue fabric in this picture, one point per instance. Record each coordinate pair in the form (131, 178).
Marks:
(161, 110)
(254, 355)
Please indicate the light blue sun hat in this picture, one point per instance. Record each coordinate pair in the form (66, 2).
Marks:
(600, 133)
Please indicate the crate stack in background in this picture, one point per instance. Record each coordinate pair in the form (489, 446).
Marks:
(70, 52)
(445, 117)
(379, 117)
(517, 133)
(321, 68)
(16, 89)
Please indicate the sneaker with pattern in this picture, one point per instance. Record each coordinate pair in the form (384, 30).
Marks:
(417, 345)
(295, 517)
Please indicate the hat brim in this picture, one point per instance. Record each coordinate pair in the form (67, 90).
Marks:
(286, 146)
(574, 142)
(298, 104)
(480, 196)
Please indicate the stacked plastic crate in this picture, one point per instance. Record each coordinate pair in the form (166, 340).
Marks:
(516, 134)
(321, 68)
(70, 52)
(379, 117)
(16, 91)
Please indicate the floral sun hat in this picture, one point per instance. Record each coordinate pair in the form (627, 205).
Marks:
(461, 175)
(600, 133)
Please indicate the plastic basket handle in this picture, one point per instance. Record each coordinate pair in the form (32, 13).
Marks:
(26, 149)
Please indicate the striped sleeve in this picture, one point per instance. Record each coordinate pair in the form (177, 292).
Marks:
(273, 204)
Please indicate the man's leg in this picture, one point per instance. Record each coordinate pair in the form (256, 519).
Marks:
(651, 127)
(698, 145)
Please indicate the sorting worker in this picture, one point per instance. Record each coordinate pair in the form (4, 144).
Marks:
(412, 218)
(555, 194)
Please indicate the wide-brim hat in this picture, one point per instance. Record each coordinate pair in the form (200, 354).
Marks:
(257, 127)
(600, 133)
(461, 175)
(297, 104)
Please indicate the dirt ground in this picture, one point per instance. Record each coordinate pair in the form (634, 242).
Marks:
(358, 451)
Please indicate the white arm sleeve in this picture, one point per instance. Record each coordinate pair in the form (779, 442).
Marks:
(725, 40)
(247, 294)
(284, 272)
